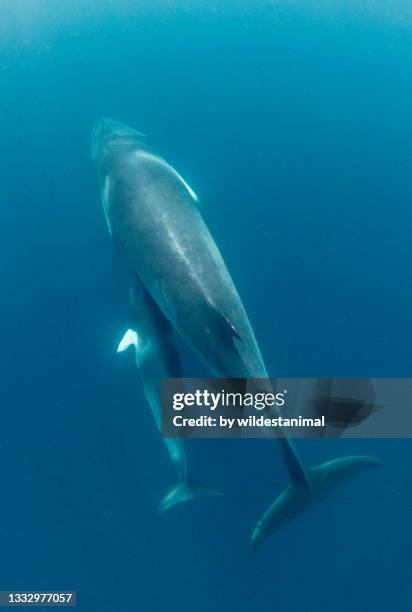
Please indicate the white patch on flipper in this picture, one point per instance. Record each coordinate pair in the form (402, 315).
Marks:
(129, 339)
(192, 194)
(162, 162)
(105, 199)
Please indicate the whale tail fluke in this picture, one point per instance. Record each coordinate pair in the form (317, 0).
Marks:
(185, 491)
(295, 500)
(325, 477)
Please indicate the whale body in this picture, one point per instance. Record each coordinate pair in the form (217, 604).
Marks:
(156, 358)
(156, 224)
(153, 218)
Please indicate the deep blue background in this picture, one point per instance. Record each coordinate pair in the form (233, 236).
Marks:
(294, 127)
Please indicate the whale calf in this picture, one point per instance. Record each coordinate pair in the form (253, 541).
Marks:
(156, 358)
(154, 220)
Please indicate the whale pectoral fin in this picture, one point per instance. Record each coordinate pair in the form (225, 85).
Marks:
(130, 338)
(188, 188)
(107, 220)
(155, 159)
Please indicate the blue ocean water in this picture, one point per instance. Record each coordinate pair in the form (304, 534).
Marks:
(292, 121)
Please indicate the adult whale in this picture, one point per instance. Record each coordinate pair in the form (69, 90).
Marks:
(151, 212)
(152, 215)
(157, 357)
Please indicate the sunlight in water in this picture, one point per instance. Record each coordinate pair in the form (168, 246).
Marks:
(37, 24)
(25, 15)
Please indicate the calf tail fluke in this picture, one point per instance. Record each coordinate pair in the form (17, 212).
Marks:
(185, 491)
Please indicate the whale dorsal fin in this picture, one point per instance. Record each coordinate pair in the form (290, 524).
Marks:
(229, 326)
(130, 338)
(220, 325)
(162, 162)
(223, 322)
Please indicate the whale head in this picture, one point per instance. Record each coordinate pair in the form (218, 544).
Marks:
(108, 135)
